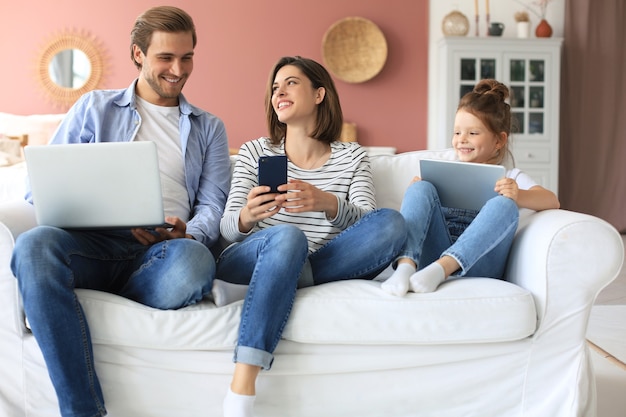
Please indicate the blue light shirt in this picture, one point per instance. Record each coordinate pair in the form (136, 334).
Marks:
(111, 116)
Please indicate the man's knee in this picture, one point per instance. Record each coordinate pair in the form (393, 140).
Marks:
(191, 270)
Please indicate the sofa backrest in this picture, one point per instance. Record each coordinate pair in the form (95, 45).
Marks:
(393, 173)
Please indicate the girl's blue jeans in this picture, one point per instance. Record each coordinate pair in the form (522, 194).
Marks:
(272, 260)
(479, 242)
(50, 263)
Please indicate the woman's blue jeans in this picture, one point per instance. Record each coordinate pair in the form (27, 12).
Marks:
(50, 263)
(483, 242)
(271, 261)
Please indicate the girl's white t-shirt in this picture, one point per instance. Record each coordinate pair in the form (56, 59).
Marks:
(523, 180)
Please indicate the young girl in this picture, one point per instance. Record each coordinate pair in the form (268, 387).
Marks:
(443, 241)
(323, 227)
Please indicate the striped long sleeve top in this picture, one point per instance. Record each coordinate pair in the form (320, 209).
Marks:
(347, 174)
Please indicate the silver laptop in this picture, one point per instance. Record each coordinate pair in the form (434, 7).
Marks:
(96, 185)
(463, 185)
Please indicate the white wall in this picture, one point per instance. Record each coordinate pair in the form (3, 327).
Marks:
(499, 11)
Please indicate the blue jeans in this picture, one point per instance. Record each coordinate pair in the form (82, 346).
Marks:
(478, 241)
(50, 263)
(272, 260)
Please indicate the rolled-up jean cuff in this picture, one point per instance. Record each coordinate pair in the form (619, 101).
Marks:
(253, 356)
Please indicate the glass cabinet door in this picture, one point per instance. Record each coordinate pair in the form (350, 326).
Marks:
(473, 70)
(526, 77)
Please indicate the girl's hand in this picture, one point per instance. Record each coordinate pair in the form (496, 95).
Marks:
(416, 179)
(261, 205)
(301, 196)
(508, 188)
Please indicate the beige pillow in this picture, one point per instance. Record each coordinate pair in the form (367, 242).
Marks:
(10, 152)
(38, 127)
(10, 146)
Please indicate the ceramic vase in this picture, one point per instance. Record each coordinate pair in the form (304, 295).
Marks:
(543, 30)
(523, 29)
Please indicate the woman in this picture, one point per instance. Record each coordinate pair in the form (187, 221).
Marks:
(321, 226)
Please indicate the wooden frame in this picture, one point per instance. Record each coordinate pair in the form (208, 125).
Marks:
(62, 96)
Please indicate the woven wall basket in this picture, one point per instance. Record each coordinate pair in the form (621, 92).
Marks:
(354, 49)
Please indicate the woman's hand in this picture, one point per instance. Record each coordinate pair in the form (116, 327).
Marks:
(301, 196)
(158, 234)
(508, 188)
(261, 205)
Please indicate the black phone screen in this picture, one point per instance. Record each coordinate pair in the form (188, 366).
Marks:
(273, 171)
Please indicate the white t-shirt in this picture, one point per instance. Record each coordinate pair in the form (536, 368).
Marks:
(160, 125)
(523, 180)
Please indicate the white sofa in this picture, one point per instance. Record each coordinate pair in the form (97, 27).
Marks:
(475, 347)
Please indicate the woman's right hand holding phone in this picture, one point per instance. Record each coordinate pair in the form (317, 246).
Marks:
(261, 205)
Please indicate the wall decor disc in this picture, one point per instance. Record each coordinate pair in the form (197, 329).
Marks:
(354, 49)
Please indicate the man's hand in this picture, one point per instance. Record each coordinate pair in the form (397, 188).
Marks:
(158, 234)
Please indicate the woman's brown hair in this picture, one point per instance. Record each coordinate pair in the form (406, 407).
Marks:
(329, 114)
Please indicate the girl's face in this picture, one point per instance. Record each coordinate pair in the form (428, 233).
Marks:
(473, 142)
(294, 99)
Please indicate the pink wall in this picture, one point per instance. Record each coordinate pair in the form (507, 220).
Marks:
(238, 42)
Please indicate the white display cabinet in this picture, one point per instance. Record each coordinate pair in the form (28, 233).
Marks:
(531, 69)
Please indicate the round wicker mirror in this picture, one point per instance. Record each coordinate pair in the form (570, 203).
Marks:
(72, 56)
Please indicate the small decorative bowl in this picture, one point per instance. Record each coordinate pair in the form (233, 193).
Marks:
(455, 24)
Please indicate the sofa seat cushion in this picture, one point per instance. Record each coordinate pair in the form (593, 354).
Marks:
(475, 310)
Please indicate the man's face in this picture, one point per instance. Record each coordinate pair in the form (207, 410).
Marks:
(165, 67)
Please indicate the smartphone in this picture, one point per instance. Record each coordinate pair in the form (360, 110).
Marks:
(273, 171)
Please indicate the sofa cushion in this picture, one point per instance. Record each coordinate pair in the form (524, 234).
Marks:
(393, 173)
(38, 127)
(475, 310)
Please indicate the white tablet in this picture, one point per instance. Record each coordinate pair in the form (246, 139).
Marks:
(459, 184)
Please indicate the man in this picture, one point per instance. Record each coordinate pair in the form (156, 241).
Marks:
(166, 268)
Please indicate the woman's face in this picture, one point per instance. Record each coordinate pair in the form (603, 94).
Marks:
(294, 99)
(473, 142)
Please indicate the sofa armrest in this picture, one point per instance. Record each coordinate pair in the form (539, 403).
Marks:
(564, 259)
(18, 216)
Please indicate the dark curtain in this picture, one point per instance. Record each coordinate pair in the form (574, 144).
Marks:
(592, 177)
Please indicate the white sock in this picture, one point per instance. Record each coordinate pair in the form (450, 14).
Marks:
(225, 292)
(237, 405)
(398, 283)
(427, 279)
